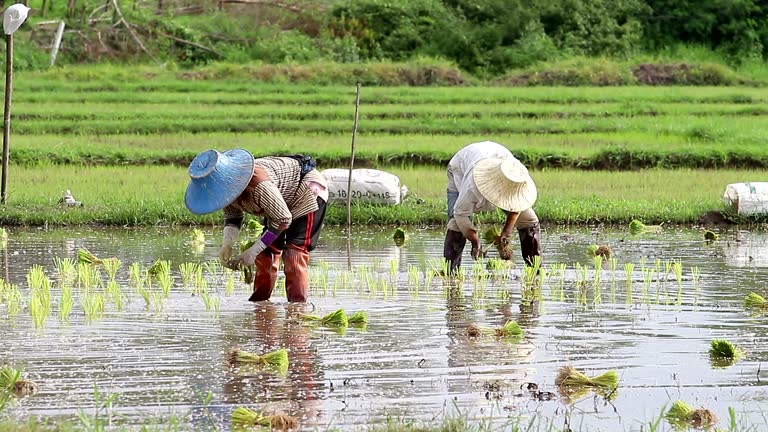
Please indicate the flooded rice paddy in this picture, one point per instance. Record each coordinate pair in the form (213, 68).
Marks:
(162, 349)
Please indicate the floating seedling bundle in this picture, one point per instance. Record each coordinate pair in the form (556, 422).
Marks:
(636, 228)
(334, 319)
(510, 330)
(246, 418)
(755, 301)
(681, 415)
(724, 353)
(400, 237)
(604, 251)
(277, 360)
(86, 257)
(11, 381)
(198, 238)
(572, 382)
(710, 236)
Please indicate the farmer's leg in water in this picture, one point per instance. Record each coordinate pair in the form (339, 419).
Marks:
(530, 235)
(267, 265)
(301, 238)
(455, 241)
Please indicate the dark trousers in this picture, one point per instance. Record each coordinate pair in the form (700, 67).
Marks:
(293, 246)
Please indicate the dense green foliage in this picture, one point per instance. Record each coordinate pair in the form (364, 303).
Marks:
(483, 37)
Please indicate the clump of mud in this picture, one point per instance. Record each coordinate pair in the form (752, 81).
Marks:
(24, 388)
(474, 330)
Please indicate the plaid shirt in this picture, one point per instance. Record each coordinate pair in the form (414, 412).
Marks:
(276, 193)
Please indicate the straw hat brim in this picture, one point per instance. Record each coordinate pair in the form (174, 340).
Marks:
(221, 184)
(505, 183)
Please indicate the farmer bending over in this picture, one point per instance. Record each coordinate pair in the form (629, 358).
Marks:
(287, 191)
(481, 177)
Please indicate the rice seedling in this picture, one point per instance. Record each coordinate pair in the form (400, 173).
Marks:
(40, 295)
(710, 236)
(165, 282)
(38, 308)
(115, 292)
(145, 294)
(229, 287)
(254, 227)
(647, 280)
(188, 271)
(636, 228)
(67, 270)
(93, 305)
(86, 257)
(414, 277)
(695, 276)
(399, 237)
(569, 378)
(755, 301)
(724, 353)
(136, 275)
(248, 419)
(200, 283)
(531, 271)
(111, 266)
(88, 276)
(13, 299)
(3, 235)
(66, 303)
(682, 416)
(157, 301)
(277, 360)
(334, 319)
(394, 270)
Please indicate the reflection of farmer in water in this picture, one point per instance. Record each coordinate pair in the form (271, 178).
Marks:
(481, 177)
(288, 191)
(299, 393)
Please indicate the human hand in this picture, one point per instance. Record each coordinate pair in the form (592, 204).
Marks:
(477, 251)
(248, 257)
(230, 237)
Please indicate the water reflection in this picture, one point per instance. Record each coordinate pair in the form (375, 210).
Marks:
(414, 359)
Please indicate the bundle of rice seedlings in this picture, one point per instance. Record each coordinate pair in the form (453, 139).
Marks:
(569, 376)
(682, 415)
(86, 257)
(8, 377)
(492, 235)
(510, 330)
(333, 319)
(604, 251)
(636, 227)
(710, 236)
(254, 227)
(246, 418)
(275, 359)
(358, 318)
(159, 267)
(249, 270)
(498, 264)
(399, 237)
(755, 300)
(504, 247)
(23, 388)
(198, 238)
(723, 349)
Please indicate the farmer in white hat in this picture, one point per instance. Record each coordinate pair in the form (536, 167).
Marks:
(287, 191)
(481, 177)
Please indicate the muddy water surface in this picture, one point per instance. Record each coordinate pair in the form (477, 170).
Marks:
(414, 359)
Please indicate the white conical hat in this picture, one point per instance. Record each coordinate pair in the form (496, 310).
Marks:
(505, 183)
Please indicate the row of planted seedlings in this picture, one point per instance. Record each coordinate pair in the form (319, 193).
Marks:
(94, 284)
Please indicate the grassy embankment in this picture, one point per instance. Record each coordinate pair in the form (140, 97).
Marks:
(570, 137)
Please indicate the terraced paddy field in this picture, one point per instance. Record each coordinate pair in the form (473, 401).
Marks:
(65, 125)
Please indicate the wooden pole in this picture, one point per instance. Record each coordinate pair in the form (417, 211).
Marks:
(7, 114)
(57, 42)
(352, 158)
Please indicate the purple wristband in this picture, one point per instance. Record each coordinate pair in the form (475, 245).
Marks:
(268, 237)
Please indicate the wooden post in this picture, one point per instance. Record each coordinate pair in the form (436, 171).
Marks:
(352, 158)
(7, 114)
(57, 42)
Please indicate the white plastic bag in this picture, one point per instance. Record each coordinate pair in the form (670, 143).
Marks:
(368, 185)
(749, 198)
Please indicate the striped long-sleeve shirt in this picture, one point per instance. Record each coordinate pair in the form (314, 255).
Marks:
(277, 192)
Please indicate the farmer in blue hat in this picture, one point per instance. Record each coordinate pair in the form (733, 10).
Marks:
(287, 191)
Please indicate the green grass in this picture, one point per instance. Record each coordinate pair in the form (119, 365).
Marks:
(153, 195)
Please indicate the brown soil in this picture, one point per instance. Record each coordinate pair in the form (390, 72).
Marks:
(283, 422)
(661, 74)
(474, 330)
(505, 249)
(714, 219)
(24, 388)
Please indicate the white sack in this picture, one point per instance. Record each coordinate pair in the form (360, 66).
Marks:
(368, 185)
(747, 198)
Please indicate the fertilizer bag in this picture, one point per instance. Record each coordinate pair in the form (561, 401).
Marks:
(368, 186)
(747, 198)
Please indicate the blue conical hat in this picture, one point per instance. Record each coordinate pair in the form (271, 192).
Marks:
(217, 179)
